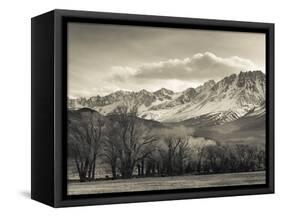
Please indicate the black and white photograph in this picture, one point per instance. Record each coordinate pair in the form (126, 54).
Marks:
(140, 108)
(158, 108)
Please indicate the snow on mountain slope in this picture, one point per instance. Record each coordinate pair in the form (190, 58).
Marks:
(256, 111)
(229, 99)
(226, 100)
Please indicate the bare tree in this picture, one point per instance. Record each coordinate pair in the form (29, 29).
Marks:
(182, 155)
(174, 154)
(200, 154)
(214, 156)
(261, 159)
(135, 142)
(85, 139)
(111, 150)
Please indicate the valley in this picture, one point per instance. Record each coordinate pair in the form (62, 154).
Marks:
(218, 127)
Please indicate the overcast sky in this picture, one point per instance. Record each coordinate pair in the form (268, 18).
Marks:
(106, 58)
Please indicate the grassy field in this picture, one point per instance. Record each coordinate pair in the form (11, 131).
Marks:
(162, 183)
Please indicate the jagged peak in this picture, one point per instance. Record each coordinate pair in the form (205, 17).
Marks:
(189, 90)
(228, 79)
(206, 86)
(144, 91)
(164, 91)
(251, 73)
(209, 83)
(120, 92)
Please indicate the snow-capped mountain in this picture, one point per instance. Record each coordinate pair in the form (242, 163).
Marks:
(229, 99)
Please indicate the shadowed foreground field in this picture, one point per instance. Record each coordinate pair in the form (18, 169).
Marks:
(164, 183)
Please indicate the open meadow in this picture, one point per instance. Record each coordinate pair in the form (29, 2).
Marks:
(164, 183)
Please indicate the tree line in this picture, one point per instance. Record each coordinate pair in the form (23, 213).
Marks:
(127, 147)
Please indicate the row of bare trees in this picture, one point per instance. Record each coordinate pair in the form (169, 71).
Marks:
(173, 155)
(226, 158)
(126, 146)
(122, 144)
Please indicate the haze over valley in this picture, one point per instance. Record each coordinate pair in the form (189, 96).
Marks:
(237, 100)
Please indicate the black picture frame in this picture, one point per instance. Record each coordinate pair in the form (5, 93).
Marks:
(49, 98)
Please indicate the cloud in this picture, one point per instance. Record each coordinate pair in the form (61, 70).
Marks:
(199, 67)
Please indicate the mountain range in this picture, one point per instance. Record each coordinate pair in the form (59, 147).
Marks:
(231, 98)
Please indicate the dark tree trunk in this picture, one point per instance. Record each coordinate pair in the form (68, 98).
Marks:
(148, 168)
(93, 171)
(158, 168)
(139, 170)
(153, 169)
(113, 170)
(142, 167)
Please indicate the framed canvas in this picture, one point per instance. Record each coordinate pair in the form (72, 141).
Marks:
(134, 108)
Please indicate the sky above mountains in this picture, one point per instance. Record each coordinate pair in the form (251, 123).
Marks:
(106, 58)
